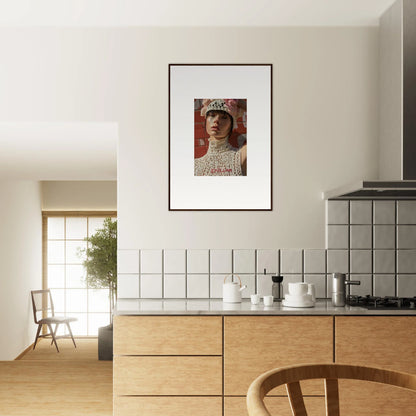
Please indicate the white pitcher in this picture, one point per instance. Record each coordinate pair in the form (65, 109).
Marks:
(231, 291)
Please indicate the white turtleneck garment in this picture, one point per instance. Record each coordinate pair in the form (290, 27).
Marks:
(221, 159)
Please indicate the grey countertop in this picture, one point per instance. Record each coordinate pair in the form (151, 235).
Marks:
(217, 307)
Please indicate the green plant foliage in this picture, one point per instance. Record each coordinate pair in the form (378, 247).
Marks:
(101, 259)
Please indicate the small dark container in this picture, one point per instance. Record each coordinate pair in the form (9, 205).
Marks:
(105, 343)
(277, 288)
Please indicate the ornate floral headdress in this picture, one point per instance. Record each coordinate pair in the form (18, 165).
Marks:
(230, 106)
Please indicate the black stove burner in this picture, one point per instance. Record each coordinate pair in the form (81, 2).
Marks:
(388, 302)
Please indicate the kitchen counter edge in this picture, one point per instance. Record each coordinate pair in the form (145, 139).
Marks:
(218, 307)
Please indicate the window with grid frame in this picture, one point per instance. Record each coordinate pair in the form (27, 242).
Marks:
(63, 235)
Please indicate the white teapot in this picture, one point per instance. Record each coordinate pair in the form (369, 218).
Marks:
(231, 291)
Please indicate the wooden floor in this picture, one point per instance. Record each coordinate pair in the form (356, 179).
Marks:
(69, 383)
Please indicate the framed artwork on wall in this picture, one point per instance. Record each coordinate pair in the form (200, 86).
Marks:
(220, 137)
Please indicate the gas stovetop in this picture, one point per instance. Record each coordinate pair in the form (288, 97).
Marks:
(387, 302)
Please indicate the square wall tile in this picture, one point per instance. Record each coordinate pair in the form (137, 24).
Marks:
(384, 212)
(215, 285)
(337, 212)
(250, 281)
(151, 261)
(174, 286)
(337, 261)
(264, 284)
(314, 261)
(406, 212)
(361, 261)
(174, 261)
(319, 280)
(128, 286)
(406, 236)
(290, 279)
(384, 236)
(365, 286)
(384, 285)
(128, 261)
(244, 261)
(290, 261)
(197, 261)
(406, 261)
(221, 261)
(269, 260)
(361, 212)
(384, 261)
(198, 286)
(337, 236)
(151, 286)
(406, 285)
(361, 236)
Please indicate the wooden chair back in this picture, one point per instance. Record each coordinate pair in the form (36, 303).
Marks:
(42, 304)
(291, 376)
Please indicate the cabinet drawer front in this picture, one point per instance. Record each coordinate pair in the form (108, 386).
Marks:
(368, 399)
(163, 406)
(236, 406)
(253, 345)
(149, 376)
(167, 335)
(379, 341)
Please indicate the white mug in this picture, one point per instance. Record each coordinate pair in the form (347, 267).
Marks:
(298, 288)
(311, 291)
(268, 300)
(255, 299)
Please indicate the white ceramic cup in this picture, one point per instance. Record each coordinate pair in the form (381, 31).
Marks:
(255, 299)
(268, 300)
(311, 291)
(298, 288)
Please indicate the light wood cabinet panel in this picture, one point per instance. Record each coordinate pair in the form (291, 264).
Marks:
(167, 335)
(253, 345)
(369, 399)
(236, 406)
(380, 341)
(167, 376)
(167, 406)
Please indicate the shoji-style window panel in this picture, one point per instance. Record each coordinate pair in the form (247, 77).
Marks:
(64, 237)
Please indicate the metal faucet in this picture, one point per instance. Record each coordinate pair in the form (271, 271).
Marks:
(339, 284)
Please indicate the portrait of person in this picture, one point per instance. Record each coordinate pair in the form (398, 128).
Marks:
(220, 137)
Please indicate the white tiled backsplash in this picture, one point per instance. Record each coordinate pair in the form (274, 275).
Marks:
(371, 241)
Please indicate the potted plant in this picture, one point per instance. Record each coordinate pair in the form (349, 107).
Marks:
(101, 267)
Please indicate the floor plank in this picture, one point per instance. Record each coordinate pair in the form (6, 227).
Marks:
(45, 382)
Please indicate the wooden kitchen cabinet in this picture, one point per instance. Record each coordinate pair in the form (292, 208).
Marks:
(255, 344)
(167, 406)
(167, 335)
(167, 365)
(203, 365)
(379, 341)
(236, 406)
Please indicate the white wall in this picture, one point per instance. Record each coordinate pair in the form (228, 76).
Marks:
(79, 195)
(21, 264)
(325, 106)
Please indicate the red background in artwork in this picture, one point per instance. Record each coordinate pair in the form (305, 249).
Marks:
(201, 136)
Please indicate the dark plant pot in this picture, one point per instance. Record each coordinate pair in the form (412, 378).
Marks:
(105, 343)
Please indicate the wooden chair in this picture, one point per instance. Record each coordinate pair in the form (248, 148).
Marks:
(329, 372)
(42, 303)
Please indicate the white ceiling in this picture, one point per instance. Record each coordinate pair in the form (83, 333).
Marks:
(87, 151)
(192, 12)
(58, 151)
